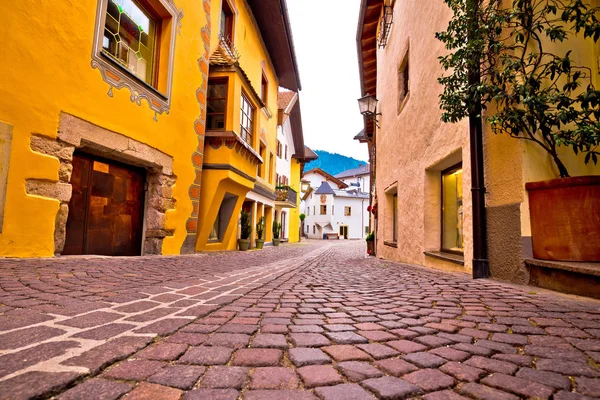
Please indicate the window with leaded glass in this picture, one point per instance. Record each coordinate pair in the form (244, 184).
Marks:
(246, 120)
(130, 37)
(216, 101)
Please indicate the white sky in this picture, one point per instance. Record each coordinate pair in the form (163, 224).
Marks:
(325, 43)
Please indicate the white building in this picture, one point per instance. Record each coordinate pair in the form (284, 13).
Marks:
(333, 208)
(357, 178)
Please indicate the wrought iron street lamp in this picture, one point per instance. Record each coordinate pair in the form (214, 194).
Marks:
(368, 107)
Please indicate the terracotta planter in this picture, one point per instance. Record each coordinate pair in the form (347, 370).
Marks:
(565, 218)
(259, 243)
(276, 242)
(244, 244)
(371, 247)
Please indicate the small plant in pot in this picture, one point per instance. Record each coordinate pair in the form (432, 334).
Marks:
(302, 218)
(276, 232)
(244, 241)
(370, 239)
(515, 55)
(260, 230)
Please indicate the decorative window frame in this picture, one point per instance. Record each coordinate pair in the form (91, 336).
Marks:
(119, 77)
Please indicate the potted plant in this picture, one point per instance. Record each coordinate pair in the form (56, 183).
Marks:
(371, 243)
(302, 218)
(512, 59)
(244, 241)
(260, 230)
(276, 231)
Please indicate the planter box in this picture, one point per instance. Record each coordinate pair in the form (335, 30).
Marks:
(565, 218)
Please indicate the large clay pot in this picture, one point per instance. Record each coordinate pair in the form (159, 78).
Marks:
(565, 218)
(259, 243)
(244, 244)
(276, 242)
(371, 247)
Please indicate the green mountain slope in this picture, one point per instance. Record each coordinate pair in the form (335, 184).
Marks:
(333, 163)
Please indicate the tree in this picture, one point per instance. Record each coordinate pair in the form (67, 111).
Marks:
(539, 96)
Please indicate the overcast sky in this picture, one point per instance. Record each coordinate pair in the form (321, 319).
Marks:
(325, 42)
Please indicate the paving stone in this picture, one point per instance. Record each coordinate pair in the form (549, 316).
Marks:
(164, 327)
(406, 346)
(395, 366)
(212, 394)
(377, 350)
(134, 370)
(303, 328)
(492, 365)
(138, 306)
(13, 362)
(587, 386)
(389, 387)
(274, 378)
(496, 346)
(377, 336)
(101, 389)
(450, 354)
(346, 338)
(345, 352)
(444, 395)
(192, 339)
(35, 384)
(27, 336)
(482, 392)
(462, 371)
(429, 379)
(339, 327)
(571, 396)
(269, 340)
(178, 376)
(163, 351)
(319, 375)
(567, 368)
(558, 352)
(547, 378)
(356, 371)
(347, 391)
(433, 341)
(104, 332)
(301, 356)
(150, 391)
(233, 340)
(369, 326)
(221, 377)
(275, 329)
(108, 353)
(518, 386)
(278, 395)
(91, 319)
(518, 359)
(257, 357)
(471, 348)
(425, 360)
(308, 340)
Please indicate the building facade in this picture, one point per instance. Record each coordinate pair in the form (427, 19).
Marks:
(423, 170)
(160, 129)
(333, 208)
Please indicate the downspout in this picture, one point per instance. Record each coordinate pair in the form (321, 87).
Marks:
(481, 266)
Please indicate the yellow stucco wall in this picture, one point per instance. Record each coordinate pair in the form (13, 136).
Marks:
(45, 70)
(294, 213)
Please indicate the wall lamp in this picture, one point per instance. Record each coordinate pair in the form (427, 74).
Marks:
(368, 107)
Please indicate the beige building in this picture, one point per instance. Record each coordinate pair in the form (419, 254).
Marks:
(421, 167)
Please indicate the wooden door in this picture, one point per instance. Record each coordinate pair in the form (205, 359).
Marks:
(106, 208)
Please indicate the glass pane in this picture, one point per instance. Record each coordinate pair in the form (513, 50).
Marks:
(452, 211)
(216, 106)
(217, 90)
(214, 233)
(215, 121)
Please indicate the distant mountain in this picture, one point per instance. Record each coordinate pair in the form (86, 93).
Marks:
(333, 163)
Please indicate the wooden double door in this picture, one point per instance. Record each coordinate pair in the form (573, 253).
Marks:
(106, 208)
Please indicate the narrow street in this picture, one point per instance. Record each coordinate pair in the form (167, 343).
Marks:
(310, 320)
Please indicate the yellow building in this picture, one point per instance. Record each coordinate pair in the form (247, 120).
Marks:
(104, 119)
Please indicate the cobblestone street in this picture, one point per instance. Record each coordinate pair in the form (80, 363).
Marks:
(315, 320)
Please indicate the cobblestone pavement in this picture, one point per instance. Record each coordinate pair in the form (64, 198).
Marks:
(306, 321)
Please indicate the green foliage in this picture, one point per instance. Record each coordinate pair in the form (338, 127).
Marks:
(538, 95)
(370, 237)
(260, 228)
(276, 229)
(302, 217)
(246, 225)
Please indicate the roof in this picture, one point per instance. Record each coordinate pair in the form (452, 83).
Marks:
(325, 189)
(360, 136)
(327, 176)
(361, 170)
(284, 99)
(351, 193)
(274, 23)
(309, 154)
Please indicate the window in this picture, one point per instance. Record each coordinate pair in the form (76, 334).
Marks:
(128, 37)
(366, 230)
(131, 38)
(279, 148)
(332, 210)
(271, 169)
(263, 154)
(314, 211)
(347, 211)
(286, 148)
(314, 231)
(324, 210)
(277, 180)
(216, 105)
(247, 116)
(264, 88)
(452, 210)
(403, 82)
(395, 217)
(226, 26)
(307, 211)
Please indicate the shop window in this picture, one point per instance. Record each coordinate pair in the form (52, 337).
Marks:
(247, 117)
(132, 38)
(452, 210)
(403, 82)
(216, 105)
(323, 210)
(347, 211)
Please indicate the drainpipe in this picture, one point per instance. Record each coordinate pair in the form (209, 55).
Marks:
(481, 266)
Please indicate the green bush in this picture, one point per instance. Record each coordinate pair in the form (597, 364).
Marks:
(246, 225)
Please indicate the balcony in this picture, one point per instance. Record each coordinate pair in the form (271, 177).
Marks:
(286, 197)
